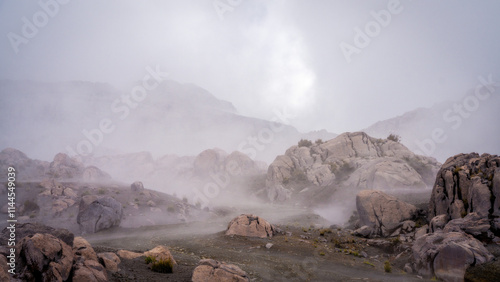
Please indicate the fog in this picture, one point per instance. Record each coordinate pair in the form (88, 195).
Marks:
(263, 55)
(152, 82)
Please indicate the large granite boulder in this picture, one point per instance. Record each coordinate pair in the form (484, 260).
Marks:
(101, 213)
(383, 213)
(209, 270)
(250, 225)
(447, 255)
(354, 161)
(468, 183)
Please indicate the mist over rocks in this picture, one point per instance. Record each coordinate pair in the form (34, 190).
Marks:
(178, 118)
(347, 164)
(27, 168)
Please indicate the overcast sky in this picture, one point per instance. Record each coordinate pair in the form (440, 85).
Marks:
(266, 55)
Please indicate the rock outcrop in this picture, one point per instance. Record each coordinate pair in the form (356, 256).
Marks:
(30, 229)
(137, 186)
(27, 169)
(209, 270)
(44, 257)
(383, 214)
(447, 255)
(250, 225)
(353, 160)
(65, 167)
(99, 214)
(468, 183)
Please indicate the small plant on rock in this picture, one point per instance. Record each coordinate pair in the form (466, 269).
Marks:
(305, 143)
(394, 137)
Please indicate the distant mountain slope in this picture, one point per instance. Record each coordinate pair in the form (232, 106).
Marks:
(77, 117)
(448, 128)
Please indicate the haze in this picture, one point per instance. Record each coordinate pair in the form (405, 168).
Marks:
(264, 56)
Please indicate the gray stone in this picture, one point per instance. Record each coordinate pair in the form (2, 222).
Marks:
(102, 213)
(385, 214)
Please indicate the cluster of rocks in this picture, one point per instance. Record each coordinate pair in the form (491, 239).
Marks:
(354, 160)
(62, 167)
(49, 254)
(464, 215)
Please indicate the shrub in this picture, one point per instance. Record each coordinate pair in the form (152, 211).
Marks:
(185, 199)
(394, 137)
(369, 263)
(86, 193)
(305, 143)
(324, 231)
(387, 266)
(102, 191)
(171, 209)
(319, 142)
(149, 259)
(161, 266)
(321, 253)
(30, 206)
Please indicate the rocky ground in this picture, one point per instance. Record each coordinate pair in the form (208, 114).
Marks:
(300, 251)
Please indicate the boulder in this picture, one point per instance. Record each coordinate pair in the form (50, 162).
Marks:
(447, 255)
(102, 213)
(29, 229)
(92, 173)
(137, 186)
(65, 167)
(250, 225)
(383, 213)
(44, 257)
(89, 270)
(209, 270)
(4, 269)
(124, 254)
(161, 253)
(82, 248)
(473, 223)
(364, 231)
(465, 184)
(438, 222)
(109, 260)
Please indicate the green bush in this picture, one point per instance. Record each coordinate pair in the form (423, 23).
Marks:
(305, 143)
(102, 191)
(394, 137)
(30, 206)
(387, 266)
(161, 266)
